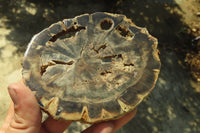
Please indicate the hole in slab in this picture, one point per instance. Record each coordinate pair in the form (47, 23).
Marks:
(109, 58)
(105, 72)
(129, 64)
(71, 31)
(75, 23)
(125, 32)
(43, 68)
(63, 62)
(100, 47)
(106, 24)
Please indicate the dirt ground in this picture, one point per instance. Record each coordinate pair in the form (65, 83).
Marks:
(174, 104)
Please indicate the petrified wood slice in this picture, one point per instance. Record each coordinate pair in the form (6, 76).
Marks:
(91, 68)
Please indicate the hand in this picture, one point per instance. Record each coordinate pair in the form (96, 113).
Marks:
(24, 116)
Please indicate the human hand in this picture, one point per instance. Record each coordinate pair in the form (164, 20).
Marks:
(24, 116)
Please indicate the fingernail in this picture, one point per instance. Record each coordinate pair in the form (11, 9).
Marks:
(13, 96)
(109, 128)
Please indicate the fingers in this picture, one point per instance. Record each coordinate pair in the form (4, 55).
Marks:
(122, 121)
(110, 126)
(55, 126)
(104, 127)
(27, 116)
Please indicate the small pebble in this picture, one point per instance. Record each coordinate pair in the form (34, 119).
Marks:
(194, 30)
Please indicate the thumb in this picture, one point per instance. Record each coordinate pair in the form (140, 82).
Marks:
(27, 115)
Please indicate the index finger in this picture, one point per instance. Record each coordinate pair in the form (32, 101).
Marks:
(51, 125)
(110, 126)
